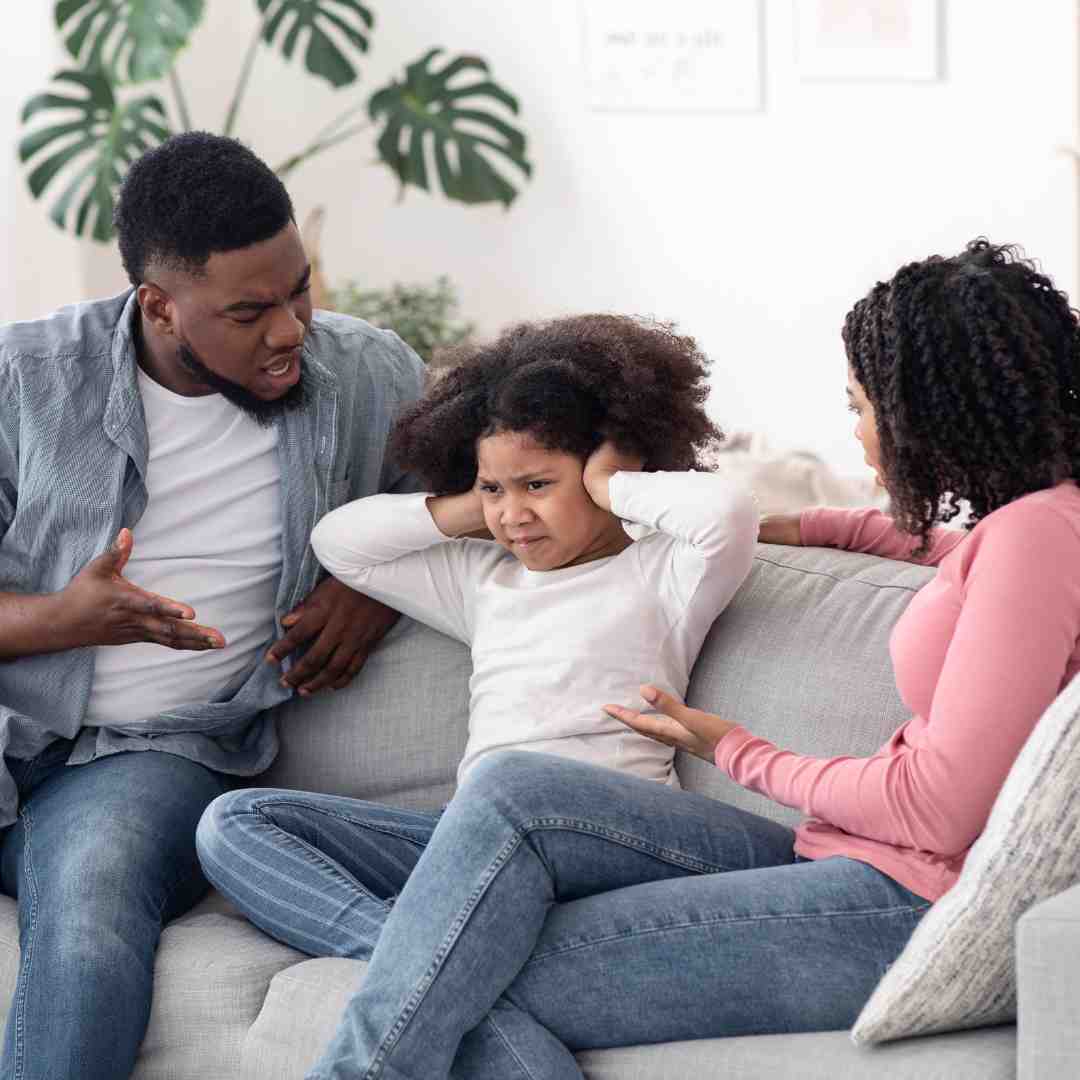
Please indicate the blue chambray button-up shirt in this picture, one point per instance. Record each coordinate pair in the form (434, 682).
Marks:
(73, 458)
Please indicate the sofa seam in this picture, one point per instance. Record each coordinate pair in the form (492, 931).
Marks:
(838, 580)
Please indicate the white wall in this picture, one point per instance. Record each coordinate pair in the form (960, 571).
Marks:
(40, 267)
(755, 232)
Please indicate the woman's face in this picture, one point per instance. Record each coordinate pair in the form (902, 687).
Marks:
(865, 425)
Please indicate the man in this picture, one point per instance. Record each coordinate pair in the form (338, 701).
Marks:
(164, 456)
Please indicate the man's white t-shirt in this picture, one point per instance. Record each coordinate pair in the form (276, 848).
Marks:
(210, 538)
(550, 647)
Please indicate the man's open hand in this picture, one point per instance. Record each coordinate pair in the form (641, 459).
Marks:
(100, 606)
(343, 627)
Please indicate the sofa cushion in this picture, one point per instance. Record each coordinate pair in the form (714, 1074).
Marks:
(395, 734)
(801, 657)
(211, 976)
(305, 1002)
(959, 968)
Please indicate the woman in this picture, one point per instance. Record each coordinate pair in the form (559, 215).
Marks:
(576, 907)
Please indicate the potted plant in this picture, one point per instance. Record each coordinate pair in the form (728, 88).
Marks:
(90, 125)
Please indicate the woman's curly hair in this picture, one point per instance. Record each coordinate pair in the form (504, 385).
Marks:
(972, 365)
(569, 383)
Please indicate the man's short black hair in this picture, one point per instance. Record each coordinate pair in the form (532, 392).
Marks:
(195, 194)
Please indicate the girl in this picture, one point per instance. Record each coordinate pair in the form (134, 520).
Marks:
(548, 440)
(607, 911)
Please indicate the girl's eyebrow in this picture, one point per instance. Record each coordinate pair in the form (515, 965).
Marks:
(522, 478)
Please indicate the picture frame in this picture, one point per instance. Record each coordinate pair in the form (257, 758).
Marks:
(675, 56)
(886, 40)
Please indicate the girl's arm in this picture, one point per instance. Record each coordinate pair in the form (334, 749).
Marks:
(713, 518)
(870, 532)
(393, 548)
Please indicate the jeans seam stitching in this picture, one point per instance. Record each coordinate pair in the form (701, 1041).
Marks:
(20, 1005)
(731, 920)
(526, 1071)
(427, 979)
(669, 855)
(261, 808)
(324, 861)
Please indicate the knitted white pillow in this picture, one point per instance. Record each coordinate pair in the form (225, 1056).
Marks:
(959, 970)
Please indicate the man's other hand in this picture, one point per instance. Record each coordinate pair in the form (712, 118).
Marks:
(343, 627)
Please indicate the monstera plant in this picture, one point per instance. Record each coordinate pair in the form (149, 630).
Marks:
(90, 125)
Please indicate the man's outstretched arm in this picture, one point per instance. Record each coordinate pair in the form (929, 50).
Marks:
(99, 607)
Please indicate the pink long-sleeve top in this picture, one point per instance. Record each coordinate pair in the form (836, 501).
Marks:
(979, 653)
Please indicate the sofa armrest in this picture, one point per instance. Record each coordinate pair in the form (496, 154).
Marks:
(1048, 988)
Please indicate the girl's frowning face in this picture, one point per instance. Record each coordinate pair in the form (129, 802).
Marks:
(536, 505)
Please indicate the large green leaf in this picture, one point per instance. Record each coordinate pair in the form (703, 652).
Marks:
(92, 145)
(330, 24)
(435, 108)
(131, 40)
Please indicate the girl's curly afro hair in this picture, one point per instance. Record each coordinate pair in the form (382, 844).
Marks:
(972, 365)
(569, 383)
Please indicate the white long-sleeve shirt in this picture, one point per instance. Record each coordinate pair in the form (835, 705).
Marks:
(550, 647)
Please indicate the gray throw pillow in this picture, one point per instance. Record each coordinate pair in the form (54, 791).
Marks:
(959, 968)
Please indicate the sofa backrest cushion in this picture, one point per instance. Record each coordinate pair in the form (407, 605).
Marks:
(800, 657)
(395, 734)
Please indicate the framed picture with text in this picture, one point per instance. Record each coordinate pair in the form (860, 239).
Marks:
(674, 56)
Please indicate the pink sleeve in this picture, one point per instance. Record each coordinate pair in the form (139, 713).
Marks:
(1015, 635)
(873, 533)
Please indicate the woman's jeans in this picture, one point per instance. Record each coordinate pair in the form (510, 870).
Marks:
(102, 855)
(556, 907)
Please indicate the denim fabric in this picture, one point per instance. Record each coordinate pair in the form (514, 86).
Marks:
(102, 856)
(597, 909)
(321, 873)
(318, 872)
(73, 457)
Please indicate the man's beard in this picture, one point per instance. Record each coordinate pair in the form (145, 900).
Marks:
(262, 412)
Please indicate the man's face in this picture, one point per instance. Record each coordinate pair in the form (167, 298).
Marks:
(240, 325)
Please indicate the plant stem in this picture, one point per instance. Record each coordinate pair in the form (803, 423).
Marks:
(334, 124)
(245, 75)
(317, 147)
(181, 101)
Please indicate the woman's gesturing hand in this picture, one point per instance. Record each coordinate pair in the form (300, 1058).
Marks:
(780, 529)
(674, 723)
(604, 462)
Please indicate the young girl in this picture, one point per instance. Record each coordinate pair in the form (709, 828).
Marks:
(589, 909)
(549, 439)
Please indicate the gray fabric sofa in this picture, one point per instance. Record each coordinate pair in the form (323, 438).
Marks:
(800, 656)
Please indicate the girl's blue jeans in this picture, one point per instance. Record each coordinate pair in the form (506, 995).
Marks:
(101, 857)
(555, 907)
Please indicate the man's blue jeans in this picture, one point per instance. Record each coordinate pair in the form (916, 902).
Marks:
(556, 907)
(101, 857)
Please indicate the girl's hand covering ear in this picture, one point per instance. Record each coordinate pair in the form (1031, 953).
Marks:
(674, 723)
(603, 463)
